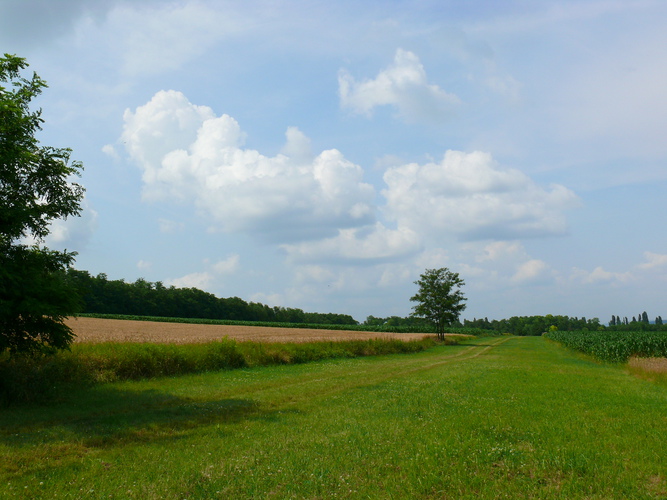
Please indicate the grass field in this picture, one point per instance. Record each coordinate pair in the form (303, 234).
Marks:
(512, 417)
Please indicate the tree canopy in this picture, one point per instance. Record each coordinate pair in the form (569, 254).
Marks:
(439, 298)
(35, 189)
(101, 295)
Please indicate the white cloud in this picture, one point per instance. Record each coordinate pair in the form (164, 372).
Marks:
(653, 261)
(469, 196)
(110, 150)
(600, 275)
(154, 39)
(499, 250)
(270, 299)
(202, 281)
(499, 264)
(433, 258)
(297, 146)
(228, 266)
(393, 276)
(529, 272)
(403, 85)
(367, 244)
(189, 154)
(208, 279)
(72, 233)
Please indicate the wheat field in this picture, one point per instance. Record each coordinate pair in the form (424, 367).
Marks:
(94, 330)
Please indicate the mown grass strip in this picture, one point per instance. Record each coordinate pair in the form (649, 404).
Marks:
(493, 418)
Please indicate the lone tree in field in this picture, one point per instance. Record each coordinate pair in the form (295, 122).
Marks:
(35, 294)
(439, 299)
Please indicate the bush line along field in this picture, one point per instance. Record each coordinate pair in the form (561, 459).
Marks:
(509, 417)
(614, 346)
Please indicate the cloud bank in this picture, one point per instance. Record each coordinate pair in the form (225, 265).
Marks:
(317, 207)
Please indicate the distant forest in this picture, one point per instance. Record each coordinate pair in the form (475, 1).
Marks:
(100, 295)
(516, 325)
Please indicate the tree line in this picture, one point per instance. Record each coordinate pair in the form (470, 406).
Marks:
(516, 325)
(639, 322)
(100, 295)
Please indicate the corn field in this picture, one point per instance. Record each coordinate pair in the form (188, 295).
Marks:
(616, 347)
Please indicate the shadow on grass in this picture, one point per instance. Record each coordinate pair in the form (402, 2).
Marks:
(106, 417)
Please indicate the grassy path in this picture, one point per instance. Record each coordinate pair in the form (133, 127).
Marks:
(493, 418)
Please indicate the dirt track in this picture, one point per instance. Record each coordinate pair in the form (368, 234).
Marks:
(113, 330)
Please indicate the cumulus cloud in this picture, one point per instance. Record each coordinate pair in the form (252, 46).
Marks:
(316, 206)
(470, 196)
(189, 154)
(375, 243)
(404, 85)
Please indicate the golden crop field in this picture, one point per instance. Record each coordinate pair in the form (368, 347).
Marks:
(114, 330)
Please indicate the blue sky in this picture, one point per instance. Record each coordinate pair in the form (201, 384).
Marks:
(322, 155)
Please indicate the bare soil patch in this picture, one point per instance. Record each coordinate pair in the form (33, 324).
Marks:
(114, 330)
(653, 365)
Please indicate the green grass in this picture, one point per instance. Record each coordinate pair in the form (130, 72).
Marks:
(492, 418)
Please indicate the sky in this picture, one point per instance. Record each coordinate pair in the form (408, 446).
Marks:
(322, 155)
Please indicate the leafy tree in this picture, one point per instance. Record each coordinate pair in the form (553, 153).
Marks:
(35, 292)
(439, 298)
